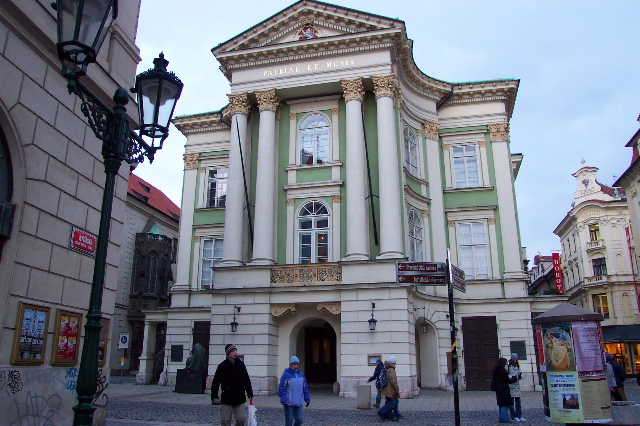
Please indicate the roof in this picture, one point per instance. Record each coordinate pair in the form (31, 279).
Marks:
(152, 196)
(566, 312)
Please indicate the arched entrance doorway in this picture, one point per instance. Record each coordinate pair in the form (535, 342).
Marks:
(317, 341)
(427, 356)
(6, 190)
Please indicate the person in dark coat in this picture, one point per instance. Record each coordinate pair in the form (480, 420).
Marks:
(376, 373)
(232, 376)
(500, 384)
(620, 375)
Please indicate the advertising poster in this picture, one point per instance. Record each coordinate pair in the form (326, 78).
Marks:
(31, 334)
(66, 337)
(565, 404)
(563, 385)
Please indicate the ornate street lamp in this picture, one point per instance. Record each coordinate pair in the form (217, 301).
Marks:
(82, 27)
(234, 323)
(372, 321)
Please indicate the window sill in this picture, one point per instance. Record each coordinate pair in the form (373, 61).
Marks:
(471, 189)
(210, 208)
(313, 166)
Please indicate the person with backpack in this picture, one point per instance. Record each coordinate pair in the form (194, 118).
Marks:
(500, 385)
(390, 391)
(376, 374)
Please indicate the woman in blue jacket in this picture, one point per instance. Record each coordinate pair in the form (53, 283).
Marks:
(293, 391)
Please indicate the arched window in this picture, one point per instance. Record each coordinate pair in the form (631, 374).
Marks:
(314, 139)
(410, 150)
(153, 261)
(415, 237)
(313, 233)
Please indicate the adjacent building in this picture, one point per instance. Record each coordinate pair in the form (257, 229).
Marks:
(597, 264)
(630, 332)
(335, 158)
(542, 276)
(51, 184)
(145, 273)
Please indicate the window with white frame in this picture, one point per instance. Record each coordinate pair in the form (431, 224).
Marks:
(211, 249)
(410, 149)
(465, 166)
(601, 304)
(313, 233)
(217, 187)
(473, 249)
(416, 254)
(313, 131)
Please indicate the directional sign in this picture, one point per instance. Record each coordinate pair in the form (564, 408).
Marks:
(457, 279)
(123, 342)
(421, 273)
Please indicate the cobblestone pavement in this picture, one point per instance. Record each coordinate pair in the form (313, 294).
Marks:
(153, 405)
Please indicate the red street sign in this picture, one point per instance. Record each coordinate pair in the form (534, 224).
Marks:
(422, 279)
(82, 241)
(458, 279)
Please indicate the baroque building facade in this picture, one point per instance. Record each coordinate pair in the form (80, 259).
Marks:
(597, 266)
(335, 158)
(51, 184)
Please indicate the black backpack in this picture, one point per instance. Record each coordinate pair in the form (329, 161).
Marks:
(381, 380)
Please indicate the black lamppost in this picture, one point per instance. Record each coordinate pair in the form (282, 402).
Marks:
(82, 27)
(372, 321)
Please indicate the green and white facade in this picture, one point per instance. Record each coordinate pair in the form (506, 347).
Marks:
(327, 107)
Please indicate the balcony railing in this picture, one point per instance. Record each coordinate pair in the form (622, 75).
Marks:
(594, 245)
(306, 275)
(596, 279)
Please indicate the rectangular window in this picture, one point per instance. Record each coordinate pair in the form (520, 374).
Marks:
(601, 304)
(594, 232)
(465, 166)
(217, 187)
(472, 243)
(599, 266)
(211, 256)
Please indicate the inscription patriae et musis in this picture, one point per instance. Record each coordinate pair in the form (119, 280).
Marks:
(309, 67)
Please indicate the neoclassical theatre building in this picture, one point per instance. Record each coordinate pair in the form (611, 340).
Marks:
(335, 158)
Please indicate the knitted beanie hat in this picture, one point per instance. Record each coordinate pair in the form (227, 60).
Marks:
(229, 348)
(294, 359)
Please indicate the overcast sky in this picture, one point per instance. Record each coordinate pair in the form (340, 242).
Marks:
(578, 63)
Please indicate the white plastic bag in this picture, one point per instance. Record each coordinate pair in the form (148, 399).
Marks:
(252, 414)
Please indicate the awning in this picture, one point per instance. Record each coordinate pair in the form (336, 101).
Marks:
(621, 333)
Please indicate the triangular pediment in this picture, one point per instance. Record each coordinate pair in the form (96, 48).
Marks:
(307, 20)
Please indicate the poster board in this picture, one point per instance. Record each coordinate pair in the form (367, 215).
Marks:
(30, 338)
(102, 343)
(66, 338)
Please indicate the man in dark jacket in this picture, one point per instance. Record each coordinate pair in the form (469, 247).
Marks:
(620, 375)
(376, 373)
(232, 376)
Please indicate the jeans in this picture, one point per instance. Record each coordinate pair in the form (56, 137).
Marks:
(504, 414)
(517, 412)
(390, 409)
(291, 414)
(378, 399)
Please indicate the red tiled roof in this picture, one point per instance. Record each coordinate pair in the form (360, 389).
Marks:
(149, 194)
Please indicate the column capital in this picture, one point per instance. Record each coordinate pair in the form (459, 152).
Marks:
(267, 100)
(353, 89)
(190, 160)
(431, 129)
(238, 103)
(499, 131)
(384, 85)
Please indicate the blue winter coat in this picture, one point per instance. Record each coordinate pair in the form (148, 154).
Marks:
(293, 390)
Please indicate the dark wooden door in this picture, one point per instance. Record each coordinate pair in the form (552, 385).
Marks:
(480, 337)
(202, 335)
(320, 355)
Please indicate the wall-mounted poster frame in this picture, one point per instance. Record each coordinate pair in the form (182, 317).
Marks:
(373, 359)
(102, 344)
(30, 340)
(66, 338)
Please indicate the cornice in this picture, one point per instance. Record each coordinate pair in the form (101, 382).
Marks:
(199, 123)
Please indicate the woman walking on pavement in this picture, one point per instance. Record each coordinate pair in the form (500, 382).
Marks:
(391, 392)
(500, 384)
(293, 390)
(513, 369)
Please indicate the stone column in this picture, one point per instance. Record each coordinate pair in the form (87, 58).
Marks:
(264, 231)
(234, 211)
(499, 134)
(388, 170)
(186, 222)
(357, 214)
